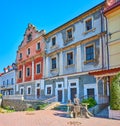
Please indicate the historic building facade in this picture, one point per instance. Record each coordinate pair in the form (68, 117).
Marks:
(72, 50)
(30, 64)
(8, 80)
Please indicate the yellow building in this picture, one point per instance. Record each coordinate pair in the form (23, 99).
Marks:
(112, 13)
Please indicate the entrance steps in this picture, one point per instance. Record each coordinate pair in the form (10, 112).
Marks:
(52, 105)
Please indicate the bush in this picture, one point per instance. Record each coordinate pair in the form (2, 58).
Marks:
(42, 106)
(30, 109)
(115, 93)
(90, 101)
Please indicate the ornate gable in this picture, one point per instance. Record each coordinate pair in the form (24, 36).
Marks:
(31, 33)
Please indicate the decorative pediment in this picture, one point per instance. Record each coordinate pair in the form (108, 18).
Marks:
(31, 33)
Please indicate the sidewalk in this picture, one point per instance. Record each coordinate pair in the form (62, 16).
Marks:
(51, 118)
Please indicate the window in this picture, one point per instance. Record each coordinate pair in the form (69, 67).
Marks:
(12, 81)
(28, 51)
(28, 72)
(88, 24)
(7, 81)
(53, 41)
(38, 84)
(38, 46)
(29, 90)
(29, 37)
(21, 90)
(59, 85)
(48, 90)
(89, 53)
(54, 63)
(70, 58)
(73, 84)
(38, 68)
(20, 74)
(69, 34)
(90, 93)
(20, 55)
(3, 83)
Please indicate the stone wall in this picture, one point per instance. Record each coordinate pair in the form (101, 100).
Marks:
(20, 105)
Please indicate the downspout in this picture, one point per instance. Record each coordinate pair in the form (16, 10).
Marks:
(102, 23)
(108, 58)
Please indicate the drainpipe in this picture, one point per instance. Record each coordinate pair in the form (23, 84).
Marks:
(108, 58)
(102, 23)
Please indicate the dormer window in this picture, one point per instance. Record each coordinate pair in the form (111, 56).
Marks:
(53, 41)
(20, 55)
(29, 37)
(28, 51)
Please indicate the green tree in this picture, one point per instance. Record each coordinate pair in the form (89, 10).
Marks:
(115, 93)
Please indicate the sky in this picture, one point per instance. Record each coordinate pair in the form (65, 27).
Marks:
(15, 15)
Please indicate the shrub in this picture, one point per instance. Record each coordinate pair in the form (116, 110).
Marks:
(42, 106)
(30, 109)
(90, 101)
(115, 93)
(0, 95)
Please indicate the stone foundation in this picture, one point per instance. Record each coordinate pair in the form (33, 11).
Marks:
(20, 105)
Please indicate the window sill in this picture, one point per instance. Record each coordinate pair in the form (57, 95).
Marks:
(91, 30)
(53, 69)
(20, 59)
(89, 61)
(54, 47)
(69, 39)
(68, 66)
(38, 50)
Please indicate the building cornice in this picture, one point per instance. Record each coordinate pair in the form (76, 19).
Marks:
(74, 20)
(76, 44)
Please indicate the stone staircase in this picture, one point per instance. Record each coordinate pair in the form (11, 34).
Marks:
(104, 113)
(61, 107)
(52, 105)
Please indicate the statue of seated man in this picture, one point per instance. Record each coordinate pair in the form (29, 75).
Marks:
(76, 100)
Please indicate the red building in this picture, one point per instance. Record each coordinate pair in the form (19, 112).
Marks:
(30, 63)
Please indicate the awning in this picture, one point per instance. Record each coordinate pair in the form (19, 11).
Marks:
(105, 72)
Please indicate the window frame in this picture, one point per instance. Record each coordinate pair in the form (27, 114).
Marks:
(37, 46)
(20, 55)
(52, 40)
(52, 64)
(85, 29)
(67, 57)
(22, 89)
(20, 71)
(28, 51)
(40, 67)
(67, 38)
(29, 72)
(48, 86)
(29, 87)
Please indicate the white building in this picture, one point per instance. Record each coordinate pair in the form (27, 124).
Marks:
(8, 80)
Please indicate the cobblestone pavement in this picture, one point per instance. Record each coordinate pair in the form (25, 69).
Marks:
(51, 118)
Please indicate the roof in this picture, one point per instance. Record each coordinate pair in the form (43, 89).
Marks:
(105, 72)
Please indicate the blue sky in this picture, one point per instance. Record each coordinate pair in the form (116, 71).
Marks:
(44, 14)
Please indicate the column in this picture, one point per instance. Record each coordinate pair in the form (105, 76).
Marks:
(100, 48)
(23, 73)
(97, 96)
(46, 66)
(78, 59)
(61, 63)
(32, 70)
